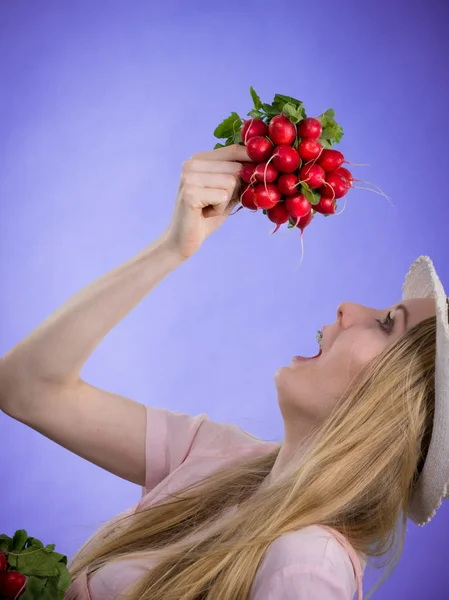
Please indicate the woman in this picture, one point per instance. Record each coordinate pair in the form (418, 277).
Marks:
(225, 515)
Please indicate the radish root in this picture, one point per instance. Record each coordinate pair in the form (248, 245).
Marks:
(333, 191)
(265, 173)
(302, 251)
(378, 192)
(347, 162)
(236, 211)
(376, 189)
(313, 161)
(343, 209)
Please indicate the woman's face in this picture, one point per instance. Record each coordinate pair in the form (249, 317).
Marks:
(309, 389)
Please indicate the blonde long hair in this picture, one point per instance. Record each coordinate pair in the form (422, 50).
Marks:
(356, 478)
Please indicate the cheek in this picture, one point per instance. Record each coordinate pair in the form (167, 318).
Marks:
(316, 385)
(357, 353)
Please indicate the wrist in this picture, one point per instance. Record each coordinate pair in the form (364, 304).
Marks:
(170, 251)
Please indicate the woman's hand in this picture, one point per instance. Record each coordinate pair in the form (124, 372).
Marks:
(208, 192)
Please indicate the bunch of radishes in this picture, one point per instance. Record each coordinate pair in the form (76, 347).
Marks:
(12, 583)
(294, 173)
(31, 571)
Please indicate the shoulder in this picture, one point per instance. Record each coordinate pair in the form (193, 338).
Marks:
(308, 563)
(201, 435)
(175, 439)
(226, 437)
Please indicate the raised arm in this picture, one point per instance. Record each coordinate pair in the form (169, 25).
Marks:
(40, 382)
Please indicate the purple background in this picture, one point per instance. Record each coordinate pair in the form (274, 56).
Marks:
(100, 103)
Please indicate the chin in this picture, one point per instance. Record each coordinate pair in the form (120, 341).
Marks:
(286, 382)
(279, 376)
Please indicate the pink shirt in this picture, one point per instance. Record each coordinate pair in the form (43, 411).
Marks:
(314, 563)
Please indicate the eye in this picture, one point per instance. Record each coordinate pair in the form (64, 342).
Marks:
(387, 324)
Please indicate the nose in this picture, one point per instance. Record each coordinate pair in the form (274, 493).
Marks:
(348, 313)
(342, 311)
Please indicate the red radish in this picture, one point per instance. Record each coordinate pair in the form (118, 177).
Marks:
(298, 206)
(288, 184)
(327, 192)
(286, 159)
(247, 172)
(259, 149)
(331, 160)
(265, 173)
(253, 128)
(266, 195)
(281, 130)
(310, 129)
(12, 584)
(313, 175)
(309, 149)
(347, 175)
(247, 197)
(3, 562)
(278, 214)
(335, 186)
(326, 206)
(302, 224)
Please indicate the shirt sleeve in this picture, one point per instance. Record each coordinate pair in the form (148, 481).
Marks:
(172, 437)
(304, 582)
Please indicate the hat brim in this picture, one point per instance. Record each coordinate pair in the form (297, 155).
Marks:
(422, 281)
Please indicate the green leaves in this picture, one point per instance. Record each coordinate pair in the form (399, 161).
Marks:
(312, 195)
(328, 114)
(230, 129)
(229, 126)
(64, 578)
(45, 569)
(5, 543)
(332, 131)
(291, 107)
(280, 101)
(293, 113)
(33, 589)
(19, 540)
(270, 111)
(256, 99)
(37, 562)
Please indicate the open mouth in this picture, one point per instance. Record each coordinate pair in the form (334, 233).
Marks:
(319, 337)
(308, 357)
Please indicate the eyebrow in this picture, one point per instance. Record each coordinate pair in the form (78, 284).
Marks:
(405, 311)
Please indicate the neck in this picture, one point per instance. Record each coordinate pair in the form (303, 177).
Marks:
(291, 455)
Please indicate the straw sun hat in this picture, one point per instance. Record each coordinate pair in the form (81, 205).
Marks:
(432, 486)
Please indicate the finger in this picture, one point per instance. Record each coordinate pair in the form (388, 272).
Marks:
(199, 197)
(235, 152)
(208, 166)
(225, 207)
(211, 180)
(221, 209)
(214, 211)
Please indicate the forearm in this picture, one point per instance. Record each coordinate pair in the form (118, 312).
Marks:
(58, 348)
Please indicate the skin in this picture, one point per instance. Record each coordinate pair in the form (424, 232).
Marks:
(309, 390)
